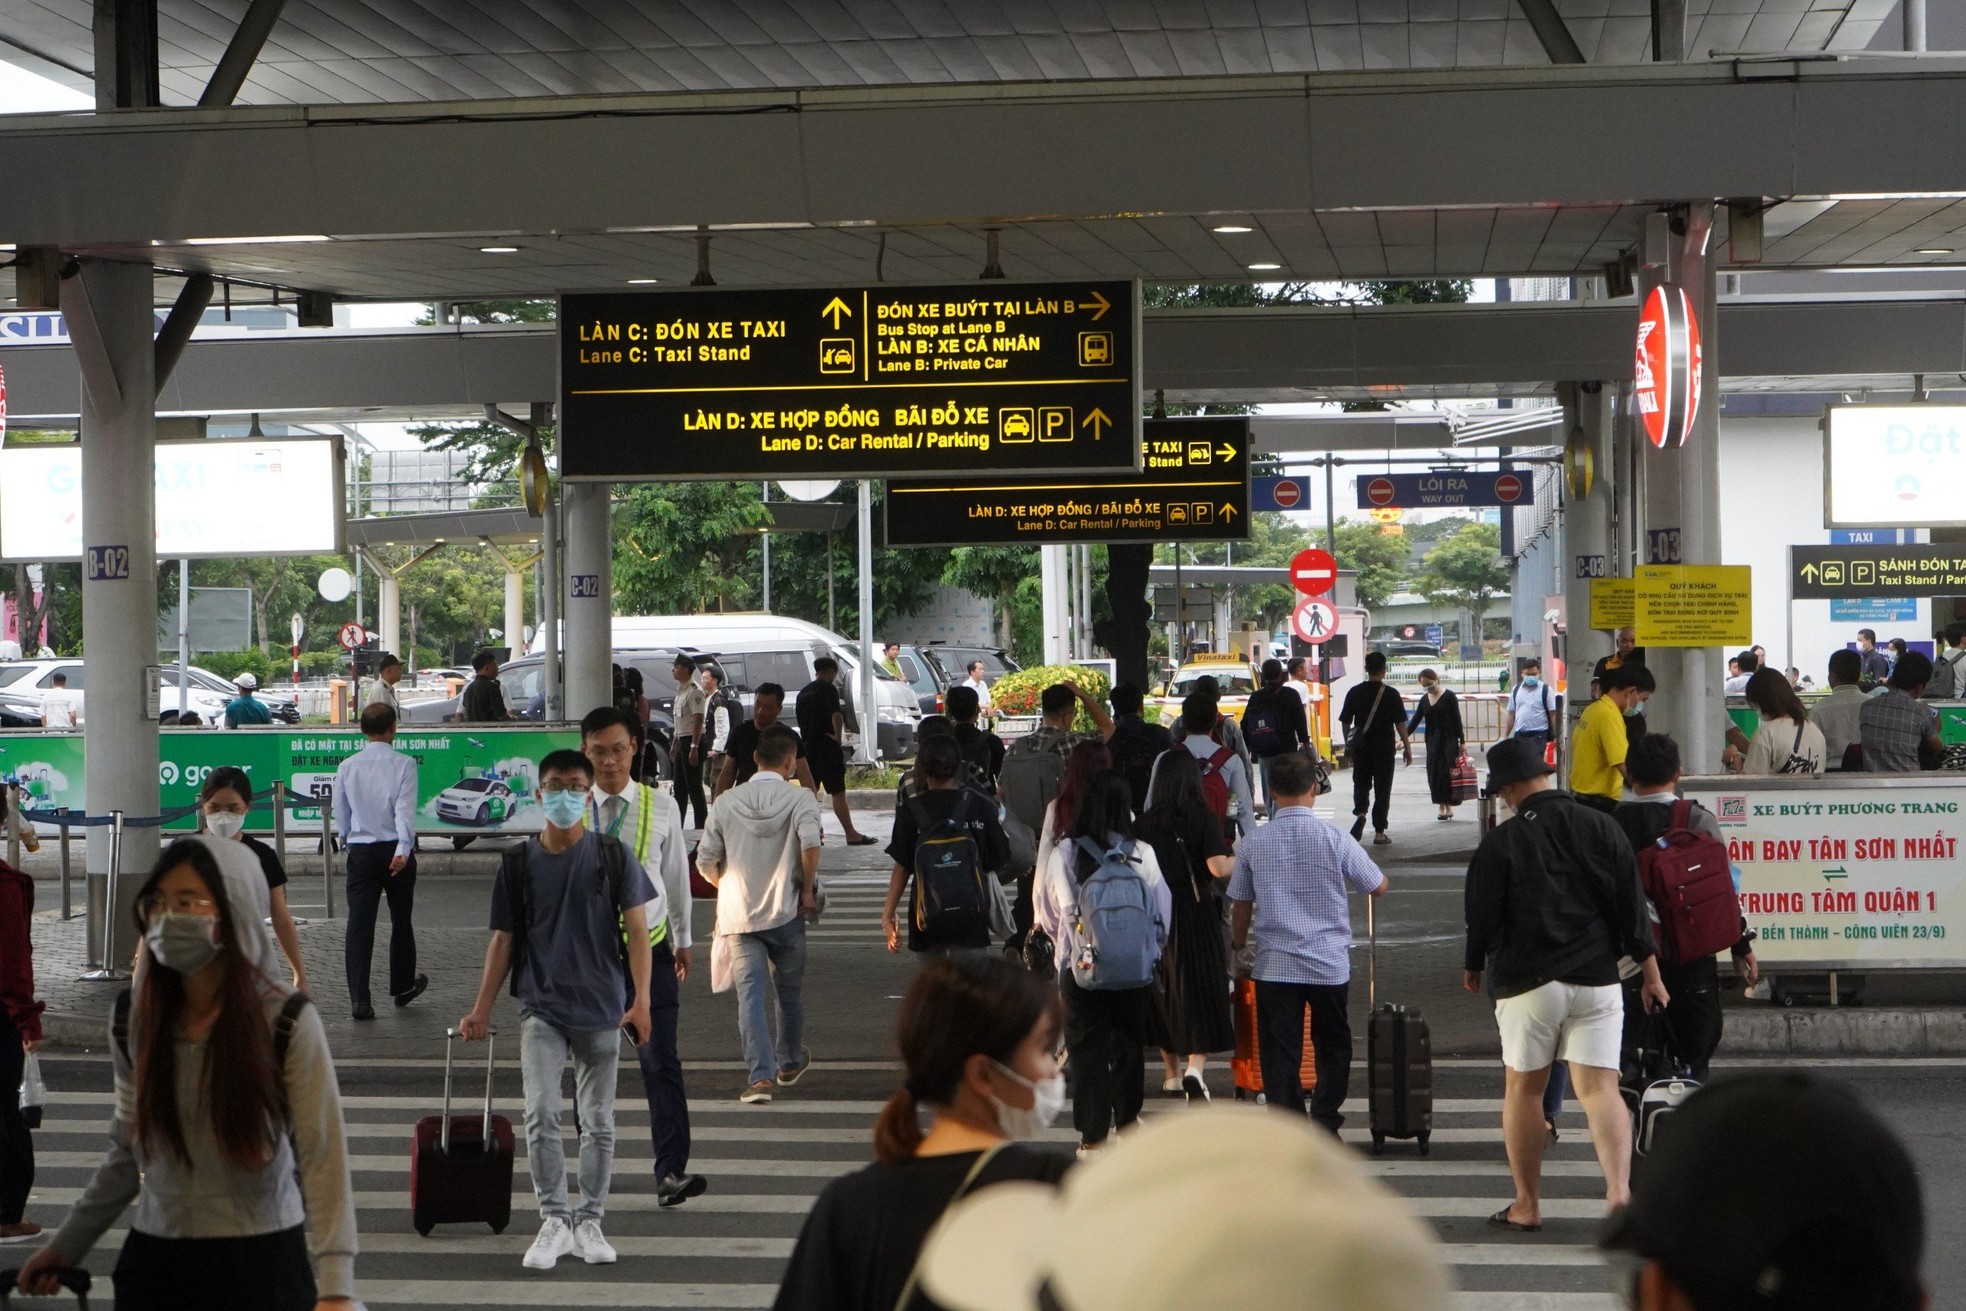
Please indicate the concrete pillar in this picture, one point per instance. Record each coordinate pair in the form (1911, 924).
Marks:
(1586, 532)
(389, 612)
(515, 611)
(589, 597)
(550, 587)
(1051, 577)
(109, 314)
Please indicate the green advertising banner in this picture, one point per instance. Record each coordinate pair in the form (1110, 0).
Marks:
(469, 780)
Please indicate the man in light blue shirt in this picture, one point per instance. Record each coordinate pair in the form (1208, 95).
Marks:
(1291, 877)
(375, 815)
(1530, 706)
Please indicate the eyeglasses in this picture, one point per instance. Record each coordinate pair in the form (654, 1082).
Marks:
(610, 753)
(555, 789)
(153, 904)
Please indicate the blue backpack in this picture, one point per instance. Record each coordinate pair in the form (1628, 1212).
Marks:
(1115, 938)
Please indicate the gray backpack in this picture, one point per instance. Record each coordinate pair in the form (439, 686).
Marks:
(1115, 938)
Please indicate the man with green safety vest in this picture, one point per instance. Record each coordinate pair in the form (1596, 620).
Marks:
(631, 811)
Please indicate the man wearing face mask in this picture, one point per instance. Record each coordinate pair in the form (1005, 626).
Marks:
(1598, 748)
(1531, 708)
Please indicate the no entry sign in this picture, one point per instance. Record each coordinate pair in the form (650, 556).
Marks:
(1379, 491)
(1313, 572)
(1315, 621)
(1508, 489)
(1666, 367)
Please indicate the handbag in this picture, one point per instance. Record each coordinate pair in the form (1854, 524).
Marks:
(1352, 741)
(1321, 769)
(33, 1092)
(1462, 784)
(722, 978)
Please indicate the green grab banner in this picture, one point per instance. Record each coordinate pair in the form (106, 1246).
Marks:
(470, 779)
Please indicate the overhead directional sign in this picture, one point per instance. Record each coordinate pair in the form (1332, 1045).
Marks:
(1416, 491)
(975, 379)
(1840, 572)
(1195, 489)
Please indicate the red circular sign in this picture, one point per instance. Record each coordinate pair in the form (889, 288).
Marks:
(1508, 488)
(1313, 572)
(1315, 621)
(352, 636)
(1409, 631)
(1289, 492)
(1666, 367)
(1380, 491)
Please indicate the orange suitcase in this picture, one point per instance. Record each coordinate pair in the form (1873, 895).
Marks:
(1247, 1064)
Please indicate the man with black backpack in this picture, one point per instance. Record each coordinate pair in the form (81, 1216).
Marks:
(947, 843)
(1135, 743)
(570, 918)
(1273, 723)
(982, 751)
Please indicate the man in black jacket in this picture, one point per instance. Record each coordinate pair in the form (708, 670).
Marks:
(1553, 900)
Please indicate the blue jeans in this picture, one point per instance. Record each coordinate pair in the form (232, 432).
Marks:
(543, 1052)
(774, 958)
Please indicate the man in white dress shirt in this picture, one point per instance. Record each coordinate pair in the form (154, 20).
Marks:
(375, 815)
(632, 812)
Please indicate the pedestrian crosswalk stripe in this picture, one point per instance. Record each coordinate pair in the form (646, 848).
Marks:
(792, 1105)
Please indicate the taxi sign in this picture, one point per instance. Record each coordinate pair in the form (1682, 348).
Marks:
(1313, 572)
(869, 381)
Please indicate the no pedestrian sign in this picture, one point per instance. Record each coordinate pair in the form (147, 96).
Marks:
(1417, 491)
(1315, 621)
(978, 378)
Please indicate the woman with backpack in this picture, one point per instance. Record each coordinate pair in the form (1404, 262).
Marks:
(1786, 742)
(1188, 843)
(227, 1131)
(979, 1039)
(1102, 900)
(1085, 761)
(1439, 713)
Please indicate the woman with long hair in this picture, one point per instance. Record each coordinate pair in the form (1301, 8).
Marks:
(1785, 742)
(223, 804)
(1439, 712)
(1086, 760)
(227, 1131)
(20, 1037)
(979, 1040)
(1105, 1028)
(1187, 841)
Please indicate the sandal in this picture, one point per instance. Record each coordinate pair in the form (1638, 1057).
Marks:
(1500, 1220)
(1550, 1139)
(862, 841)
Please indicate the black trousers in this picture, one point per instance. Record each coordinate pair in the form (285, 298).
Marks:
(662, 1068)
(1280, 1038)
(1103, 1032)
(266, 1272)
(369, 881)
(688, 786)
(1693, 1014)
(16, 1143)
(1372, 769)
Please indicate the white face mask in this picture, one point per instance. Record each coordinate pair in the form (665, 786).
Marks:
(1020, 1123)
(185, 943)
(225, 823)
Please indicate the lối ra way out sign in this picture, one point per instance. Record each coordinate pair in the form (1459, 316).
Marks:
(975, 379)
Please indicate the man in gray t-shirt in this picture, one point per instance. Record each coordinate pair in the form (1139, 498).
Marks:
(560, 933)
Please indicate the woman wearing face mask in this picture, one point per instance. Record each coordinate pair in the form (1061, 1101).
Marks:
(223, 803)
(1440, 711)
(227, 1131)
(979, 1038)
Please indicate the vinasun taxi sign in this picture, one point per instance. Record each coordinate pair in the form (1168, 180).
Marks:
(1666, 387)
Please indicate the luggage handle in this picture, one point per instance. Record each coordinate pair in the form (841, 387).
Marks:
(450, 1046)
(75, 1279)
(1371, 958)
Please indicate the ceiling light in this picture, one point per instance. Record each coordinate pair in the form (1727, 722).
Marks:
(498, 250)
(1933, 250)
(640, 282)
(1264, 268)
(1232, 227)
(246, 241)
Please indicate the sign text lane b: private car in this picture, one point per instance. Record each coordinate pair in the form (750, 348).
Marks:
(973, 379)
(1195, 488)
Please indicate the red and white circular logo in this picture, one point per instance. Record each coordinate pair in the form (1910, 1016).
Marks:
(1380, 491)
(1289, 492)
(1666, 367)
(1508, 488)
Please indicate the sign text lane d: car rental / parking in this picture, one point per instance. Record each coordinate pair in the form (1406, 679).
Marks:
(1415, 491)
(1195, 488)
(969, 380)
(1839, 572)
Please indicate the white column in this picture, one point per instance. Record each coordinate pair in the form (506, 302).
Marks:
(551, 583)
(589, 597)
(867, 709)
(515, 611)
(109, 314)
(389, 612)
(1051, 575)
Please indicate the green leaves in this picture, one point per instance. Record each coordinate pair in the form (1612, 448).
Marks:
(1466, 570)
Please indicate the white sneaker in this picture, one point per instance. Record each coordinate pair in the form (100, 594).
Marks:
(590, 1245)
(555, 1241)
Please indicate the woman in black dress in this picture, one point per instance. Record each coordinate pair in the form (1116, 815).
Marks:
(1187, 841)
(1440, 711)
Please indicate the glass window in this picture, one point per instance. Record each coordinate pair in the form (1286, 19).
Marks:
(74, 673)
(14, 674)
(472, 785)
(788, 669)
(1229, 680)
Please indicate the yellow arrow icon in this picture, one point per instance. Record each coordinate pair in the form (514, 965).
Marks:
(836, 308)
(1228, 511)
(1098, 421)
(1102, 303)
(1226, 451)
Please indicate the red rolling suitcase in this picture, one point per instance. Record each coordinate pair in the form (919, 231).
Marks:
(461, 1167)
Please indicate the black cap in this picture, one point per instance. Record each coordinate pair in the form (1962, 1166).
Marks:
(1512, 760)
(1778, 1191)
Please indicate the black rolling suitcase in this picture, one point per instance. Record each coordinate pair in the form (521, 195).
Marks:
(1399, 1063)
(461, 1167)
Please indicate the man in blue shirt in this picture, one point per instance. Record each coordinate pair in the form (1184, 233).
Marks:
(569, 910)
(1530, 708)
(375, 816)
(1291, 877)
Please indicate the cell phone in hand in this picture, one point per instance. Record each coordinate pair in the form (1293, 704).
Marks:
(634, 1039)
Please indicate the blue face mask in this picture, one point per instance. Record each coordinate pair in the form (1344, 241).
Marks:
(564, 809)
(1530, 680)
(1634, 710)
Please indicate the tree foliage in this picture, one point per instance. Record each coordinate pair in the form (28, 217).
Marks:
(1466, 570)
(1380, 561)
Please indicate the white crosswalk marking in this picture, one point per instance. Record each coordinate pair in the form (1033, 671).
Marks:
(727, 1248)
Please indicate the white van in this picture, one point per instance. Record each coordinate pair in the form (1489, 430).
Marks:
(897, 711)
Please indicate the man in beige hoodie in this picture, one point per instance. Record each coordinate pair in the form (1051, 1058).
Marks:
(761, 849)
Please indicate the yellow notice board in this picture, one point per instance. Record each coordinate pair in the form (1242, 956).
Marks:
(1695, 605)
(1614, 603)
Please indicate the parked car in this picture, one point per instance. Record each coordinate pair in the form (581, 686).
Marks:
(27, 683)
(479, 801)
(935, 668)
(284, 705)
(788, 663)
(19, 712)
(1394, 648)
(1234, 676)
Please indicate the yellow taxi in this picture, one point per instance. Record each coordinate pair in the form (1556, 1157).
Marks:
(1232, 673)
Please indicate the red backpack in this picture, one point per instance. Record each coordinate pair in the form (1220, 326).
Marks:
(1215, 790)
(1687, 878)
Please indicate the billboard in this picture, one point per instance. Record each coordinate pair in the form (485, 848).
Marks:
(1893, 466)
(245, 497)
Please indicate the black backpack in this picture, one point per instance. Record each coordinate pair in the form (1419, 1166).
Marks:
(1134, 755)
(1262, 724)
(951, 897)
(518, 898)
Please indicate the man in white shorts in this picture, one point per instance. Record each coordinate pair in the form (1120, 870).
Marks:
(1553, 901)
